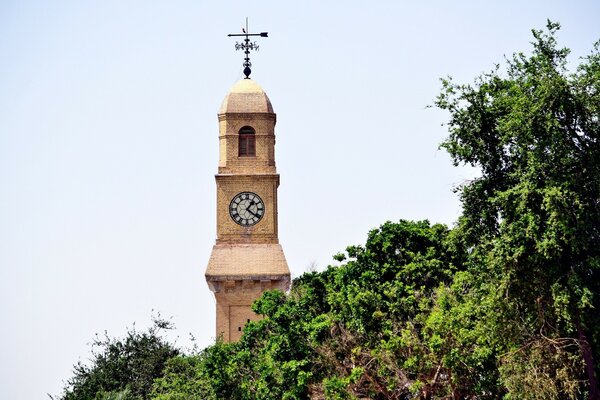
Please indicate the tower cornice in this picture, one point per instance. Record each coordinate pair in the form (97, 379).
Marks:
(246, 116)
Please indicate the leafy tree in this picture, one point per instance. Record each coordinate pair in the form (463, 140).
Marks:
(122, 369)
(533, 217)
(185, 378)
(380, 303)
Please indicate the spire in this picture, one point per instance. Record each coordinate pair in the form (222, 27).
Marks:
(247, 45)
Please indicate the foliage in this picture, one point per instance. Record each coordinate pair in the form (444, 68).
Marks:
(533, 217)
(183, 379)
(122, 369)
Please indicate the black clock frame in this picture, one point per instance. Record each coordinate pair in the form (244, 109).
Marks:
(257, 215)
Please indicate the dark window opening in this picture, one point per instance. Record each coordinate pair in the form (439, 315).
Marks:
(239, 328)
(247, 142)
(248, 320)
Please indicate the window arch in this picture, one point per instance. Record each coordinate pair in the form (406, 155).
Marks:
(247, 142)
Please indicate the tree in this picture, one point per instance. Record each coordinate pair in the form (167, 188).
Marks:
(122, 369)
(532, 219)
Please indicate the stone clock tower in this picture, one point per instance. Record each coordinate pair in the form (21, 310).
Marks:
(247, 258)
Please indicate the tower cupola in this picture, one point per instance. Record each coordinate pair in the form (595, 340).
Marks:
(246, 131)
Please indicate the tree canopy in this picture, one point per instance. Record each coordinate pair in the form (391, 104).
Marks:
(122, 369)
(532, 219)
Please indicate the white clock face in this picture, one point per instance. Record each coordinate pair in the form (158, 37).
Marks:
(246, 208)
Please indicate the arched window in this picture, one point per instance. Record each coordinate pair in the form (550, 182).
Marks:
(247, 142)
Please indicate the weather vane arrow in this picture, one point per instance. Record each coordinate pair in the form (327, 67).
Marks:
(247, 45)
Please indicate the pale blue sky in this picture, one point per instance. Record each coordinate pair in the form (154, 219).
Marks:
(108, 146)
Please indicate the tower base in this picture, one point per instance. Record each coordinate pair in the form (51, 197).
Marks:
(238, 274)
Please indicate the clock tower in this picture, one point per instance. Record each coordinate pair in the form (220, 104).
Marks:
(247, 258)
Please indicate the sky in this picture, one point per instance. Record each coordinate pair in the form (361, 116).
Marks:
(108, 147)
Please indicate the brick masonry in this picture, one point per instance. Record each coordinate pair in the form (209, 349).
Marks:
(245, 260)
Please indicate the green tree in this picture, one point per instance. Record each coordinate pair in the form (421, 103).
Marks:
(186, 378)
(122, 369)
(532, 219)
(392, 336)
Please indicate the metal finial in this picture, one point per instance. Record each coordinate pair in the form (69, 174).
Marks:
(247, 45)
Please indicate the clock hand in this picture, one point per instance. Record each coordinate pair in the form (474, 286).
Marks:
(252, 203)
(245, 208)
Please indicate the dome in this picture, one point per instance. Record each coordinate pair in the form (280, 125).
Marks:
(246, 96)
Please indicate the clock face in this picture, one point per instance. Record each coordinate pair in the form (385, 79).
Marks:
(246, 208)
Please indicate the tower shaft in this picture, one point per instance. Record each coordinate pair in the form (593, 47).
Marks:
(247, 258)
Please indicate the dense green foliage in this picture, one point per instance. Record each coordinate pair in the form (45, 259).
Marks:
(504, 305)
(122, 369)
(532, 220)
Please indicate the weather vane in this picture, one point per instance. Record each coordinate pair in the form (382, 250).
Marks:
(247, 45)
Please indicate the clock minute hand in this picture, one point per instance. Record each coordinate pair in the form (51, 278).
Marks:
(252, 203)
